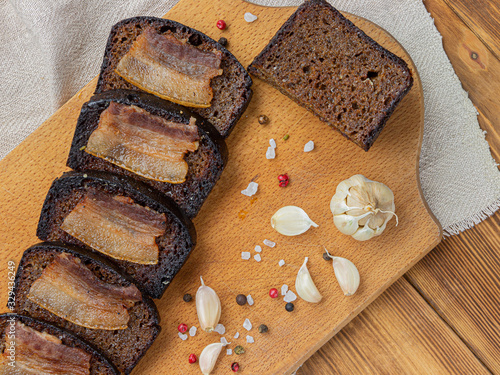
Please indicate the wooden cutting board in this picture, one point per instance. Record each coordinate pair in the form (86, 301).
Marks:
(230, 223)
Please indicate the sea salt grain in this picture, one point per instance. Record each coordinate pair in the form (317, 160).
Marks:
(247, 325)
(223, 341)
(258, 248)
(237, 335)
(220, 329)
(192, 331)
(249, 17)
(309, 146)
(229, 351)
(284, 289)
(250, 300)
(269, 243)
(270, 154)
(250, 339)
(290, 296)
(257, 257)
(272, 142)
(182, 336)
(251, 189)
(245, 255)
(281, 262)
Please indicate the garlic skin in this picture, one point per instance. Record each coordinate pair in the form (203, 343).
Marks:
(361, 208)
(291, 221)
(304, 285)
(208, 357)
(208, 307)
(346, 273)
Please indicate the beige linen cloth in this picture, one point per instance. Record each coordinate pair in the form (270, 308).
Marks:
(52, 48)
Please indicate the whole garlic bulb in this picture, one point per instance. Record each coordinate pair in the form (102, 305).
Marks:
(361, 208)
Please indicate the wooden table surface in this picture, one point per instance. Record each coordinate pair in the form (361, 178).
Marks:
(443, 316)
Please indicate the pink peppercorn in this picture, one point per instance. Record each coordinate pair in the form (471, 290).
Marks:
(273, 293)
(221, 24)
(192, 358)
(283, 180)
(182, 328)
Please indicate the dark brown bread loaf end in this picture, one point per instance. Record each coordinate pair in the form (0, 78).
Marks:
(205, 164)
(98, 364)
(175, 245)
(231, 90)
(326, 64)
(124, 348)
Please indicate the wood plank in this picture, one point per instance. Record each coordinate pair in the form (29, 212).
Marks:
(476, 66)
(461, 280)
(398, 333)
(483, 18)
(223, 232)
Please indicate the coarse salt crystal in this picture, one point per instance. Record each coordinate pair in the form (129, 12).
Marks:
(250, 300)
(272, 142)
(269, 243)
(289, 296)
(247, 325)
(257, 257)
(281, 262)
(309, 146)
(182, 336)
(237, 335)
(229, 351)
(251, 189)
(270, 154)
(249, 17)
(284, 289)
(258, 248)
(223, 341)
(245, 255)
(192, 331)
(220, 329)
(250, 339)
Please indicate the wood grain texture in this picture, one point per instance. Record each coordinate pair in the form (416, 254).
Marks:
(391, 336)
(230, 222)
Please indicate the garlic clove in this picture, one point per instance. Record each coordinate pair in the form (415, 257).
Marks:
(347, 275)
(364, 233)
(291, 221)
(208, 307)
(346, 224)
(208, 357)
(304, 284)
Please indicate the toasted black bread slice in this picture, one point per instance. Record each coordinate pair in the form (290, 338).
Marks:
(348, 80)
(99, 365)
(123, 347)
(174, 245)
(231, 90)
(205, 165)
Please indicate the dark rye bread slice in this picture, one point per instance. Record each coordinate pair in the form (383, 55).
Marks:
(322, 61)
(205, 164)
(231, 90)
(175, 245)
(123, 347)
(99, 365)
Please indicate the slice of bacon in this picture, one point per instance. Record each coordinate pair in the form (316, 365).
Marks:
(170, 68)
(40, 353)
(71, 291)
(116, 226)
(148, 145)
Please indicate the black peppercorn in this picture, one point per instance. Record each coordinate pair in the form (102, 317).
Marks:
(241, 299)
(326, 256)
(187, 297)
(223, 41)
(263, 328)
(263, 119)
(289, 307)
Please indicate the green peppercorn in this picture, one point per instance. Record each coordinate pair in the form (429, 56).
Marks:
(241, 299)
(289, 307)
(286, 137)
(187, 297)
(239, 350)
(263, 328)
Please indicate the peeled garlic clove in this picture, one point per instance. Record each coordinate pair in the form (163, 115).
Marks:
(291, 221)
(347, 275)
(208, 307)
(208, 357)
(306, 289)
